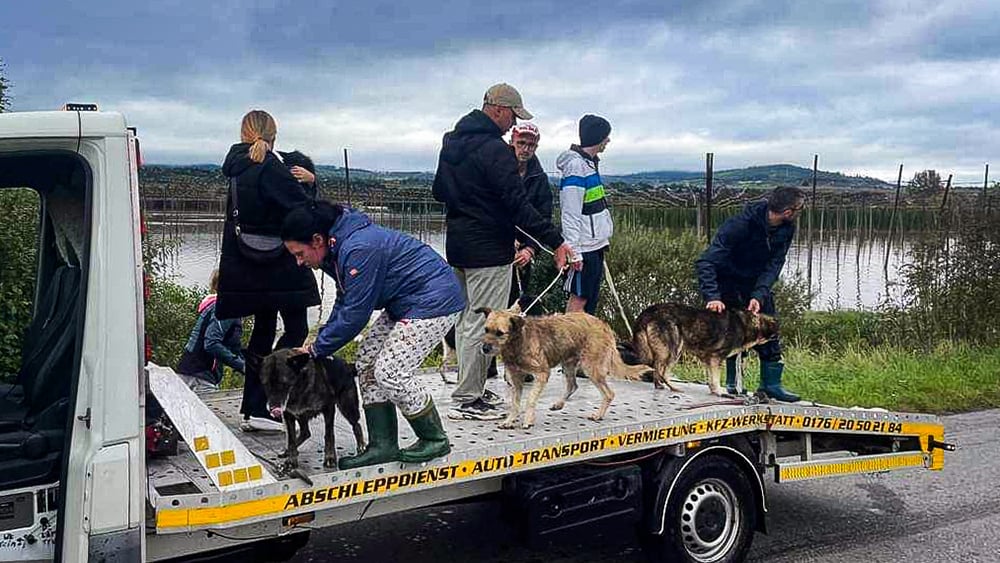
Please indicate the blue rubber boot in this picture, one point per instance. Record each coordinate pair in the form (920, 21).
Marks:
(770, 382)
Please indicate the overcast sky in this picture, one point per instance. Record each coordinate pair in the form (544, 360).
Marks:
(866, 84)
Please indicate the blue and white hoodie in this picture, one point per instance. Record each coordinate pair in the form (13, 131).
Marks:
(586, 219)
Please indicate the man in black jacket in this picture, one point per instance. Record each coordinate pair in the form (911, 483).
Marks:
(740, 266)
(478, 182)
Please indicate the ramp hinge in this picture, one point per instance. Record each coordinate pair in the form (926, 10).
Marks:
(85, 418)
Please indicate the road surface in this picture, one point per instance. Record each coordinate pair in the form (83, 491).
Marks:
(912, 516)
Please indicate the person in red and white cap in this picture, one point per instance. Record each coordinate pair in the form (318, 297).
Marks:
(524, 139)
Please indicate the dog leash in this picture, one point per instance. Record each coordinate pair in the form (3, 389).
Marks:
(618, 300)
(559, 274)
(607, 276)
(542, 294)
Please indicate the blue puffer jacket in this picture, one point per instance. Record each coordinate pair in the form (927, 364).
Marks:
(378, 268)
(745, 255)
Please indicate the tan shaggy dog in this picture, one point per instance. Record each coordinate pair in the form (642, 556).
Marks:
(535, 345)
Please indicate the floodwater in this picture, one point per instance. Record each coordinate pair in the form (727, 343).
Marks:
(848, 265)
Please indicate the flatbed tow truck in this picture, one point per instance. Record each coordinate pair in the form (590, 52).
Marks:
(687, 469)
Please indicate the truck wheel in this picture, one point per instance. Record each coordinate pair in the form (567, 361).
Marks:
(710, 515)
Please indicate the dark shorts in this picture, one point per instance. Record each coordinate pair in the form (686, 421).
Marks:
(586, 283)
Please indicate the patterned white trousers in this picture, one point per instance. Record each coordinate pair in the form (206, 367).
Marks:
(389, 355)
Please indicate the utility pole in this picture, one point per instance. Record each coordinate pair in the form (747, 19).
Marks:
(347, 177)
(892, 220)
(812, 203)
(709, 166)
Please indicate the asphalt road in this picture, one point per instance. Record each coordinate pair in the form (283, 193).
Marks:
(913, 516)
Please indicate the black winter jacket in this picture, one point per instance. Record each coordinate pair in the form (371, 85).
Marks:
(539, 191)
(745, 256)
(477, 180)
(267, 192)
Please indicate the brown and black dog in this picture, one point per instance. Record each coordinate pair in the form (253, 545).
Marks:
(303, 387)
(535, 345)
(664, 330)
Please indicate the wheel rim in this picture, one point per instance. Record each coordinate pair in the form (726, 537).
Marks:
(710, 520)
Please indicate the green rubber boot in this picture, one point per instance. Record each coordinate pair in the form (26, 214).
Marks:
(432, 442)
(383, 438)
(770, 382)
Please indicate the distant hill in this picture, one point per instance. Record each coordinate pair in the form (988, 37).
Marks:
(772, 174)
(205, 181)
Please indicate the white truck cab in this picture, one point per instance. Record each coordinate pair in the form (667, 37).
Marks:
(71, 444)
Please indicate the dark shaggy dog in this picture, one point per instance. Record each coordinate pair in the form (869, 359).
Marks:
(664, 330)
(303, 387)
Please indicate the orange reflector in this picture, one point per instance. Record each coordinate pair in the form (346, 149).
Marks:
(289, 521)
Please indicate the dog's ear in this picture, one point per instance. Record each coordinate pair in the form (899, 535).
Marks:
(298, 361)
(515, 308)
(516, 323)
(484, 310)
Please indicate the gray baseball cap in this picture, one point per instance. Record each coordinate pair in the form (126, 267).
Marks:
(505, 95)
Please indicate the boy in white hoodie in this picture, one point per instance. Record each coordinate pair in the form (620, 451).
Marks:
(586, 219)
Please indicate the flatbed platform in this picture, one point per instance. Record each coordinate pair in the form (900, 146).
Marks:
(640, 418)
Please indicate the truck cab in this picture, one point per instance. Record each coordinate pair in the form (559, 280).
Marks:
(71, 449)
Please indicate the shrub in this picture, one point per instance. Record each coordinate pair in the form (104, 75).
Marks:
(953, 283)
(171, 312)
(18, 258)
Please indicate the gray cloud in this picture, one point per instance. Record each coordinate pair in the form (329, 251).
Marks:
(864, 84)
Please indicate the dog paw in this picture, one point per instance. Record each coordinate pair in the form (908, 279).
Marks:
(508, 424)
(595, 416)
(557, 406)
(527, 425)
(283, 454)
(330, 463)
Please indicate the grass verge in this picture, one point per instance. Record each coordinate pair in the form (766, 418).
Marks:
(948, 379)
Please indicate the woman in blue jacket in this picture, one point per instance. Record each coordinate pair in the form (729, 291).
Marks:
(420, 298)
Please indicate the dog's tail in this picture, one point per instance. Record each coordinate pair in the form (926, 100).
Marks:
(622, 369)
(632, 373)
(640, 346)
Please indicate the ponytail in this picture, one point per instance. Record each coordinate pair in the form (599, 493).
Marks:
(258, 150)
(259, 129)
(310, 219)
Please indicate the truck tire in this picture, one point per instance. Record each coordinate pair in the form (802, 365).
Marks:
(710, 515)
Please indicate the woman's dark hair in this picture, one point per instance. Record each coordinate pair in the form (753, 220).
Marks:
(307, 220)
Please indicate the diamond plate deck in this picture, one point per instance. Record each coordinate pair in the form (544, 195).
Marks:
(481, 450)
(633, 403)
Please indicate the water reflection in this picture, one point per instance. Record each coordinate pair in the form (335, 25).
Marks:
(848, 257)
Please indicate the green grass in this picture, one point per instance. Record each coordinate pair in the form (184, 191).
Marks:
(948, 379)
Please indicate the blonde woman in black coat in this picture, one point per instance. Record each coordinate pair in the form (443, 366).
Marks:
(267, 191)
